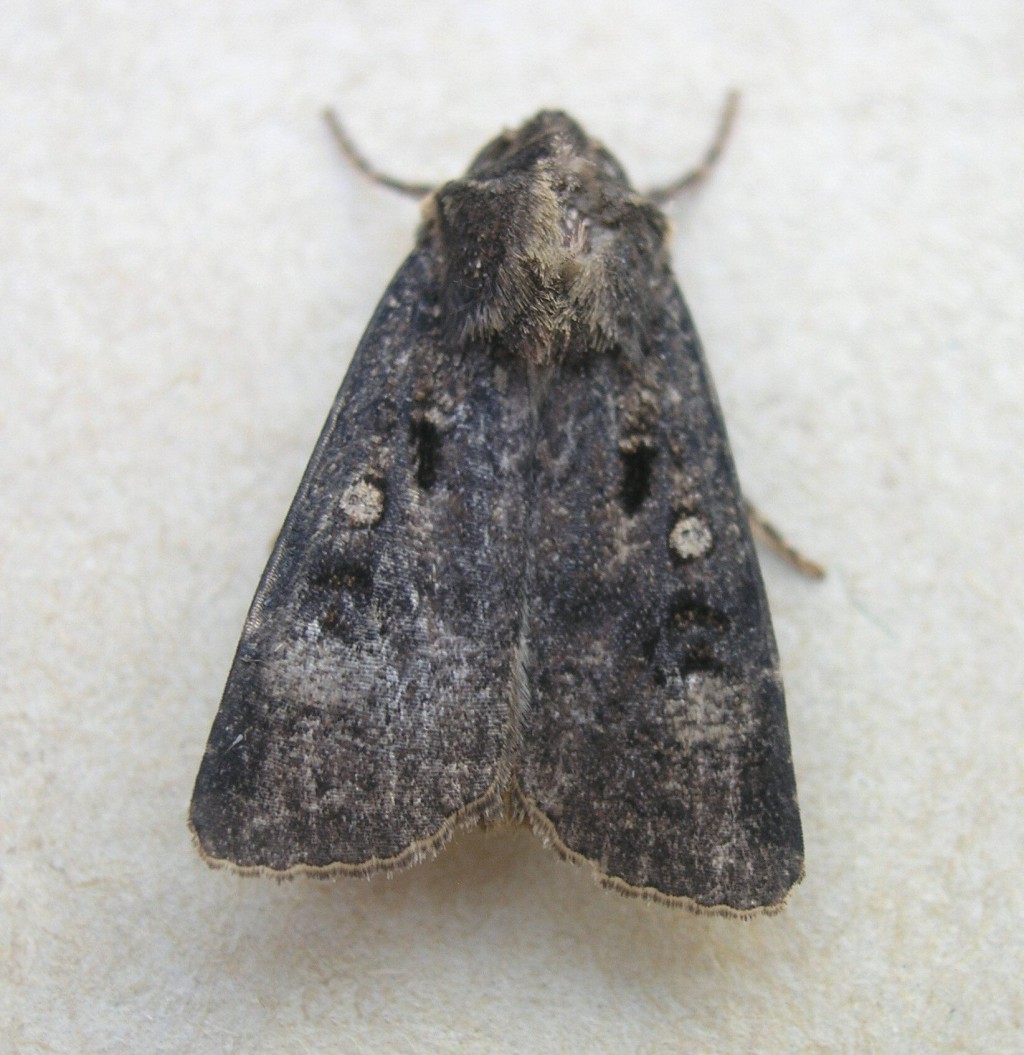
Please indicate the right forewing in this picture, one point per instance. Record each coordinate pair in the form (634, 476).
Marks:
(369, 708)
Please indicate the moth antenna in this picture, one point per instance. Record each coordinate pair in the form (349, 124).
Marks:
(768, 534)
(349, 149)
(698, 174)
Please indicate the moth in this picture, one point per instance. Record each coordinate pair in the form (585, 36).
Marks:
(517, 580)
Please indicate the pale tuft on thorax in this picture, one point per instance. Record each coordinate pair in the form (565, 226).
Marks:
(546, 248)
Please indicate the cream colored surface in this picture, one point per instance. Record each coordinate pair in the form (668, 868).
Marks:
(185, 267)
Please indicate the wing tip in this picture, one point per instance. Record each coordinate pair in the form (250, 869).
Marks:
(542, 826)
(468, 816)
(493, 805)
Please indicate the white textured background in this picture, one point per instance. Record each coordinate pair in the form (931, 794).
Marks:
(185, 266)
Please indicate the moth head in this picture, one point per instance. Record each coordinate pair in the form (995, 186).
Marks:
(545, 247)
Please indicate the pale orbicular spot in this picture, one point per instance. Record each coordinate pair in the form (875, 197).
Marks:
(362, 504)
(691, 537)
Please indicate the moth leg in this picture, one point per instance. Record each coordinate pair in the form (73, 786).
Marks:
(768, 534)
(697, 175)
(349, 149)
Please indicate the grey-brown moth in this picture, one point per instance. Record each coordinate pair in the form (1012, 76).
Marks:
(517, 579)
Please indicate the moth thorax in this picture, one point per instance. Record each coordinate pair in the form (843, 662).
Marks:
(545, 263)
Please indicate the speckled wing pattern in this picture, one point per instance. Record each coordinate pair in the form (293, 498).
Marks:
(656, 744)
(517, 578)
(369, 707)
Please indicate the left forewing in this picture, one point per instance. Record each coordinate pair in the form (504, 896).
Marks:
(655, 744)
